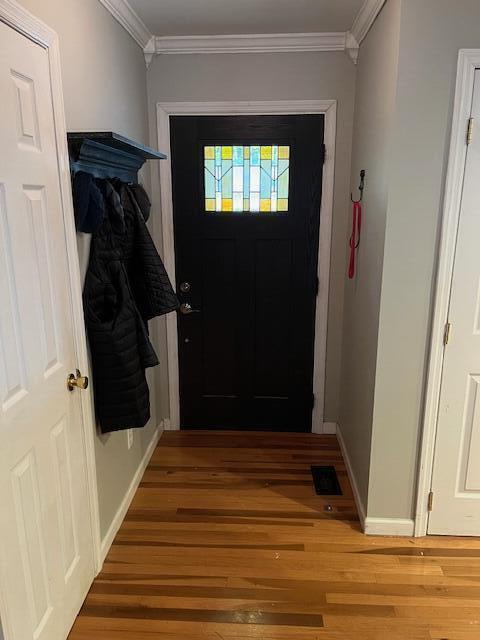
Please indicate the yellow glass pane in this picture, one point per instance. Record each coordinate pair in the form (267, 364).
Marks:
(209, 153)
(227, 204)
(282, 204)
(210, 204)
(246, 204)
(265, 204)
(246, 153)
(283, 153)
(227, 153)
(266, 153)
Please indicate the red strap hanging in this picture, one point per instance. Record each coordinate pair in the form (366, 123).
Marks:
(355, 237)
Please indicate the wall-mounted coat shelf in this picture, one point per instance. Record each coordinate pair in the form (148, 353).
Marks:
(108, 155)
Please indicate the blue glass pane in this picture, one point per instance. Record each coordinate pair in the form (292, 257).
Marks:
(266, 179)
(246, 178)
(283, 178)
(226, 179)
(255, 156)
(275, 155)
(237, 156)
(209, 178)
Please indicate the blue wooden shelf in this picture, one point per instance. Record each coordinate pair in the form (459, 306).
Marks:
(106, 154)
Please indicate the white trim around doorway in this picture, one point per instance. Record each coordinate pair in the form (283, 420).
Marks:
(15, 16)
(468, 63)
(285, 107)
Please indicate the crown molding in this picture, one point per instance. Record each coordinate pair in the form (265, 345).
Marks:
(351, 47)
(149, 52)
(251, 43)
(245, 43)
(126, 16)
(365, 19)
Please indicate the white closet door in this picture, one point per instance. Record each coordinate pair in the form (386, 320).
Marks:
(46, 548)
(456, 474)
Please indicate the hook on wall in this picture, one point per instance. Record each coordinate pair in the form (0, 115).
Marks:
(361, 187)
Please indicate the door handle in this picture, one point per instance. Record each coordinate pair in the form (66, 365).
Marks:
(186, 309)
(77, 381)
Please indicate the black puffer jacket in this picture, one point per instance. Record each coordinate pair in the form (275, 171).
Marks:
(126, 285)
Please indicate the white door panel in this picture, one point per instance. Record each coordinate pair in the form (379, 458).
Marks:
(45, 530)
(456, 473)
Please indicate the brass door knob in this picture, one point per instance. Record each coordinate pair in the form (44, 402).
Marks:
(77, 381)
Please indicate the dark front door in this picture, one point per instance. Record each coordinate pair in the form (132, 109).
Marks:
(246, 192)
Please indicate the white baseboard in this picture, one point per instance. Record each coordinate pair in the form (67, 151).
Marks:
(325, 428)
(330, 428)
(125, 504)
(351, 475)
(389, 527)
(373, 526)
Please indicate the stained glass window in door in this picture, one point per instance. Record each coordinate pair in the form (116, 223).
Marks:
(246, 179)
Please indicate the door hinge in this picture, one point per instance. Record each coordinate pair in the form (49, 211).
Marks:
(324, 153)
(313, 400)
(446, 333)
(317, 285)
(470, 127)
(430, 501)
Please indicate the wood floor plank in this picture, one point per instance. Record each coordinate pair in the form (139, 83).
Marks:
(226, 539)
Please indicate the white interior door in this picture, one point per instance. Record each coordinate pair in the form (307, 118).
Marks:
(456, 471)
(46, 548)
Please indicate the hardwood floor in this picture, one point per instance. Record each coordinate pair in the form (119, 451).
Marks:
(227, 540)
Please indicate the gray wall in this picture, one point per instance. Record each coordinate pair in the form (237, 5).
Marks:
(432, 32)
(297, 76)
(104, 81)
(374, 115)
(103, 68)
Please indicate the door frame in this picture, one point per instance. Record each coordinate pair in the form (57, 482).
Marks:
(18, 18)
(327, 108)
(468, 63)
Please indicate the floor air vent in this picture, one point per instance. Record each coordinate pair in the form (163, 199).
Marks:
(326, 481)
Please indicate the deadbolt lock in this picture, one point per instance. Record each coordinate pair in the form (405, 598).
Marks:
(77, 381)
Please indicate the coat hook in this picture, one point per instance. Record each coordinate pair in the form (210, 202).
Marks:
(361, 187)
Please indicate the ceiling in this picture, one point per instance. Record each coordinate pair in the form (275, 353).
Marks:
(221, 17)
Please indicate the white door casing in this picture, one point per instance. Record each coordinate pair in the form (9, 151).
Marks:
(456, 466)
(166, 240)
(47, 544)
